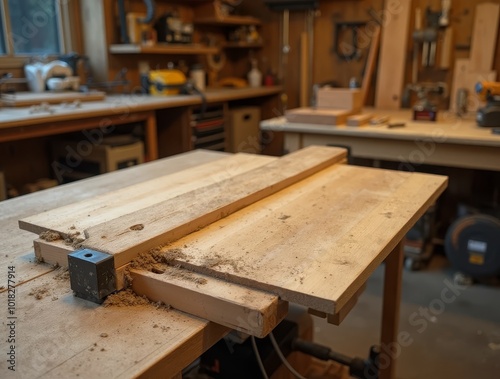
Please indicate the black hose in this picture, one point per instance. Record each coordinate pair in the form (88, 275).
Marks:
(150, 12)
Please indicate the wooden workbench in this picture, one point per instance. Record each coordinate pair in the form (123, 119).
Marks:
(62, 336)
(450, 141)
(20, 123)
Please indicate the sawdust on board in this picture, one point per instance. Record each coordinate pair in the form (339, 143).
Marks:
(156, 259)
(62, 273)
(218, 260)
(128, 298)
(40, 292)
(50, 236)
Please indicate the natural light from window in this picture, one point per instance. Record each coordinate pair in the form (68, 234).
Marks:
(32, 28)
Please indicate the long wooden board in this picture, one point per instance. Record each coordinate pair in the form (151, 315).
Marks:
(26, 99)
(76, 218)
(318, 116)
(390, 76)
(167, 221)
(484, 37)
(363, 214)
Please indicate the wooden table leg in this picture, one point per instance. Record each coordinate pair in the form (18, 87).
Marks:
(151, 138)
(390, 349)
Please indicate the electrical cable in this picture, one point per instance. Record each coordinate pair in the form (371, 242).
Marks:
(282, 357)
(259, 360)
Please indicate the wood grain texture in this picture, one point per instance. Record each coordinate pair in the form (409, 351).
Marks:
(244, 309)
(26, 99)
(276, 245)
(370, 64)
(484, 37)
(76, 218)
(172, 219)
(340, 98)
(318, 116)
(390, 77)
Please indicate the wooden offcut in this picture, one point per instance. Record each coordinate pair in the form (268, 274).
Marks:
(317, 116)
(26, 99)
(349, 99)
(359, 120)
(391, 65)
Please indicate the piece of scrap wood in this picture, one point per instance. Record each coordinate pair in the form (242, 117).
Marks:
(317, 116)
(359, 120)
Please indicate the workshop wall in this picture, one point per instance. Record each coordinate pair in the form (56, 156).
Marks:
(328, 66)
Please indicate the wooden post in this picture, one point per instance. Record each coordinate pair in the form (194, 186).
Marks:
(151, 138)
(390, 311)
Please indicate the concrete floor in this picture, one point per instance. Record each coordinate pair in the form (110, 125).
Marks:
(450, 334)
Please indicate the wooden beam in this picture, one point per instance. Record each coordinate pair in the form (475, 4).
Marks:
(370, 64)
(391, 67)
(245, 309)
(237, 307)
(484, 37)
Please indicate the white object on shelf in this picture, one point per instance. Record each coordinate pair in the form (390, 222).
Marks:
(254, 75)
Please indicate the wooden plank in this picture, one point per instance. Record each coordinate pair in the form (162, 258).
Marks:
(390, 309)
(484, 37)
(341, 314)
(167, 221)
(317, 116)
(98, 209)
(304, 69)
(390, 77)
(26, 99)
(370, 64)
(245, 309)
(268, 245)
(237, 307)
(359, 120)
(350, 99)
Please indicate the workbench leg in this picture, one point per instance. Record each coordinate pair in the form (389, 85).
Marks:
(151, 138)
(390, 349)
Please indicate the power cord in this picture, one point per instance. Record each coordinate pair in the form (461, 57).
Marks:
(259, 360)
(282, 357)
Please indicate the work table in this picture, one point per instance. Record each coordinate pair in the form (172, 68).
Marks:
(61, 336)
(450, 141)
(124, 104)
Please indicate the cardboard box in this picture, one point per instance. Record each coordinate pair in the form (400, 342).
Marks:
(244, 132)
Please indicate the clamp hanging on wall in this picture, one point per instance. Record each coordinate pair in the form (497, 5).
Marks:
(345, 50)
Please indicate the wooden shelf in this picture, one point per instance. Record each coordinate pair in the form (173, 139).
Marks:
(163, 49)
(228, 21)
(242, 45)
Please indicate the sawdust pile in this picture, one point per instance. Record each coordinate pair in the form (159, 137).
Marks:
(50, 236)
(39, 292)
(128, 298)
(62, 274)
(125, 298)
(155, 261)
(150, 261)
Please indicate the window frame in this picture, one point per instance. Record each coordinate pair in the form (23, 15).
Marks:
(67, 14)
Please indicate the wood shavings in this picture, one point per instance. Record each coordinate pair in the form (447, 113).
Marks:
(50, 236)
(125, 298)
(39, 292)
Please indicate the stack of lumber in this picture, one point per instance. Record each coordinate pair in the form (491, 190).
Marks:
(234, 240)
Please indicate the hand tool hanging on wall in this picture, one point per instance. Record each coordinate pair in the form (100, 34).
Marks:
(150, 11)
(345, 31)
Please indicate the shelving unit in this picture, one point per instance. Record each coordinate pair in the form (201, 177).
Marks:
(191, 49)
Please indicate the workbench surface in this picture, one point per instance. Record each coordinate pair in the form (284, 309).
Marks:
(124, 104)
(52, 340)
(340, 222)
(450, 141)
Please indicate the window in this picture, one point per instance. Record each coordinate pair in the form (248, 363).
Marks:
(33, 27)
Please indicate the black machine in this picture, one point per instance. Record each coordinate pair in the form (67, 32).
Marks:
(472, 245)
(294, 5)
(489, 116)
